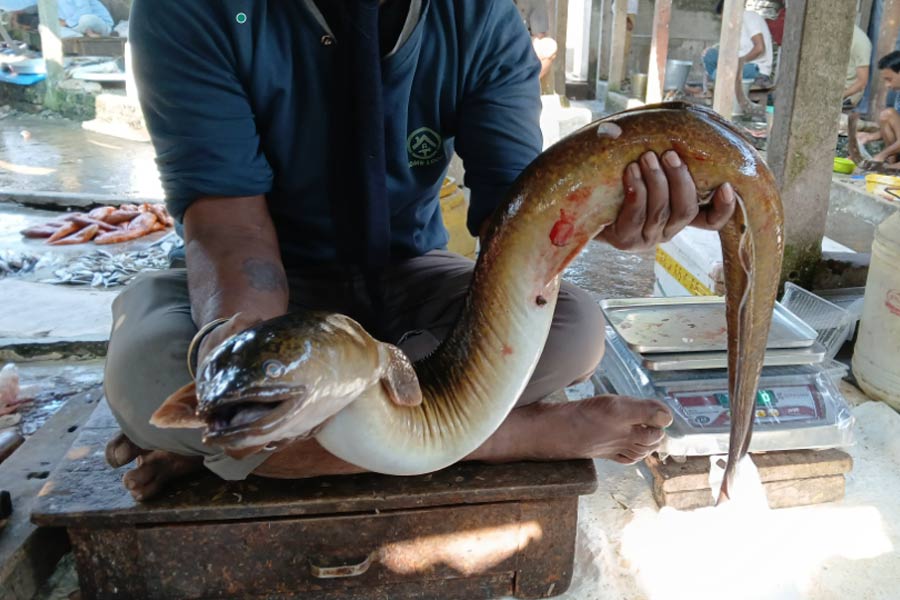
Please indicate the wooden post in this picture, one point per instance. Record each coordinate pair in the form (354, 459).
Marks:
(605, 50)
(559, 65)
(594, 43)
(617, 55)
(865, 14)
(659, 51)
(729, 57)
(886, 42)
(807, 111)
(51, 42)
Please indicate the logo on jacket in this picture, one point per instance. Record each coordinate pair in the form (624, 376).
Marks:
(425, 147)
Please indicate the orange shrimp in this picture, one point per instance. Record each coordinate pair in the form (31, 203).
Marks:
(67, 229)
(79, 237)
(101, 212)
(139, 227)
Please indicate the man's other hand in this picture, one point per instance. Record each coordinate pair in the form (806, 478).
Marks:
(661, 200)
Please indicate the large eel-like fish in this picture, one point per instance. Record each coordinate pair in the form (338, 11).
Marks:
(323, 375)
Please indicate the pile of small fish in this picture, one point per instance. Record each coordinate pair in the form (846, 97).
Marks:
(104, 269)
(14, 263)
(104, 225)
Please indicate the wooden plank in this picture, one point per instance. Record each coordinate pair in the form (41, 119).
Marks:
(85, 492)
(886, 42)
(659, 51)
(51, 41)
(807, 114)
(779, 494)
(559, 65)
(693, 473)
(617, 52)
(605, 49)
(28, 554)
(865, 14)
(729, 58)
(10, 440)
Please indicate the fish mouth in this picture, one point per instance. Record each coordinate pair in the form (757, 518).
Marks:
(251, 411)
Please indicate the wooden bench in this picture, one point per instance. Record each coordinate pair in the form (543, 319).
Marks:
(794, 478)
(470, 531)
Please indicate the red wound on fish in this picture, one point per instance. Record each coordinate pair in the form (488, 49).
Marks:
(507, 350)
(563, 230)
(580, 195)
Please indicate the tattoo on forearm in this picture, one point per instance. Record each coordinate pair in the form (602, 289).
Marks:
(264, 275)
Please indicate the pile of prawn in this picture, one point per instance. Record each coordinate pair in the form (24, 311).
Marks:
(104, 225)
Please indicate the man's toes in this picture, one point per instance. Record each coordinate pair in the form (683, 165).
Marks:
(120, 451)
(141, 475)
(154, 470)
(649, 437)
(651, 413)
(633, 454)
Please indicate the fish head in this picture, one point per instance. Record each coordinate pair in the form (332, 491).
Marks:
(281, 380)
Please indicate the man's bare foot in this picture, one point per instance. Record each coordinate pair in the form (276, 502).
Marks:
(617, 428)
(155, 468)
(120, 451)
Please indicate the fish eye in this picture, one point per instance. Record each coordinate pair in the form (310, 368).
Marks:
(273, 369)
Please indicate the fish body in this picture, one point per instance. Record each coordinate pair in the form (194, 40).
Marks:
(558, 204)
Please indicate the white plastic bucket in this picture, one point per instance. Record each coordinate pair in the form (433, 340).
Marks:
(876, 358)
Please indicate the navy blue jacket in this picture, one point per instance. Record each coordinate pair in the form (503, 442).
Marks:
(236, 100)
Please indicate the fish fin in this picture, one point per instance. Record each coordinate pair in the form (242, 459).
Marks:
(179, 411)
(399, 379)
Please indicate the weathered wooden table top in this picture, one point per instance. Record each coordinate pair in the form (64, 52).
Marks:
(85, 492)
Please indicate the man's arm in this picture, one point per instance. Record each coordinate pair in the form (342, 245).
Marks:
(759, 47)
(888, 152)
(234, 265)
(862, 77)
(498, 120)
(211, 165)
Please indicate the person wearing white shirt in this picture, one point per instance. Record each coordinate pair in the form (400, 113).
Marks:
(84, 18)
(857, 68)
(537, 21)
(755, 49)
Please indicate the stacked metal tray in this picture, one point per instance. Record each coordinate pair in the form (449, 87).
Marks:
(690, 333)
(675, 349)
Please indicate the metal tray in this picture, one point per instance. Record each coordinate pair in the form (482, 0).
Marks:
(693, 324)
(690, 361)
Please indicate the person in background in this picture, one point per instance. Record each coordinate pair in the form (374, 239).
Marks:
(88, 18)
(537, 21)
(755, 50)
(857, 68)
(776, 27)
(889, 119)
(630, 21)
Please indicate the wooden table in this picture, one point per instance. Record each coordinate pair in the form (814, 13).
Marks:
(470, 531)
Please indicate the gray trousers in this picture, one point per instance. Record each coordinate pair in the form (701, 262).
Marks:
(152, 327)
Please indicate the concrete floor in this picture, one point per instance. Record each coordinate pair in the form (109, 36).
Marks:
(59, 155)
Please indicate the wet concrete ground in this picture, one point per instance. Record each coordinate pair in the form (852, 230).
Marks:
(49, 384)
(59, 155)
(608, 273)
